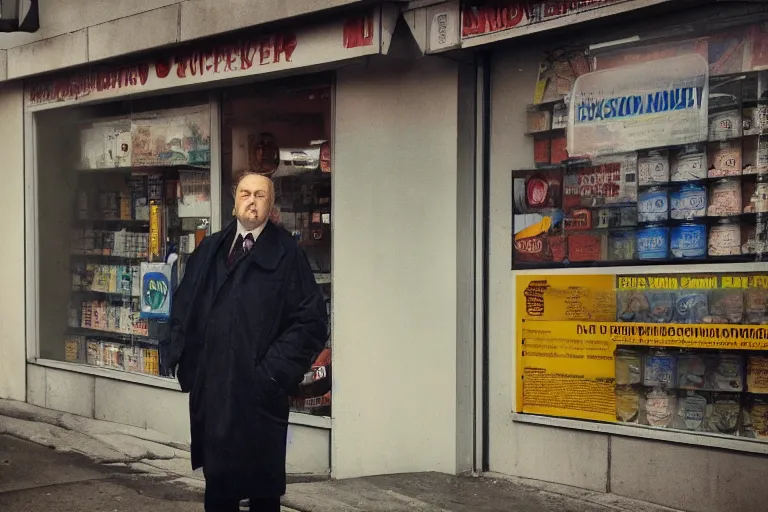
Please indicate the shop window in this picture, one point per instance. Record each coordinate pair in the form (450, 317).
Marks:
(285, 131)
(647, 155)
(653, 154)
(120, 188)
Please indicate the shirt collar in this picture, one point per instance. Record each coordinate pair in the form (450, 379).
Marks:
(255, 232)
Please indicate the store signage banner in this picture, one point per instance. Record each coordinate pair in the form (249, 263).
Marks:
(604, 347)
(483, 21)
(209, 61)
(641, 106)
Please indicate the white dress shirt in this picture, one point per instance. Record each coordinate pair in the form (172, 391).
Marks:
(241, 231)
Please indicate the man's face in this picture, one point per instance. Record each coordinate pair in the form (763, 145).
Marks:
(254, 199)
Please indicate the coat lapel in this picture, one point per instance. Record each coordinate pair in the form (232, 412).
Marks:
(267, 252)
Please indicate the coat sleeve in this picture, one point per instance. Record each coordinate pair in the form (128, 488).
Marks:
(304, 333)
(174, 340)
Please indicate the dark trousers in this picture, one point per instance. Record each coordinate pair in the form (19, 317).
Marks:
(217, 499)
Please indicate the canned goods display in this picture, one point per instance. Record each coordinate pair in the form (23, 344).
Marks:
(725, 160)
(689, 164)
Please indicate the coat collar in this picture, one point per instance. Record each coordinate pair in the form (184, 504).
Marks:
(267, 251)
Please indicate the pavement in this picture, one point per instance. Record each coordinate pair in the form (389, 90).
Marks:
(57, 462)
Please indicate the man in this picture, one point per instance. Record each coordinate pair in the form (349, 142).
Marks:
(246, 322)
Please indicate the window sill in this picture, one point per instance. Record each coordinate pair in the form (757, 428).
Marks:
(307, 420)
(719, 441)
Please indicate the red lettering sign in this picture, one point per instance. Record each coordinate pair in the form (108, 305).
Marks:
(358, 31)
(228, 58)
(483, 19)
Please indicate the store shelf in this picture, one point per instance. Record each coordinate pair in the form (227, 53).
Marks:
(741, 258)
(546, 133)
(111, 295)
(106, 258)
(118, 336)
(144, 379)
(146, 170)
(118, 223)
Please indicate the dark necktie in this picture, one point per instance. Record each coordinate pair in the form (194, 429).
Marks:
(242, 245)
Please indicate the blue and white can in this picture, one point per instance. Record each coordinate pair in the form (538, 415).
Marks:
(689, 240)
(653, 205)
(653, 243)
(689, 202)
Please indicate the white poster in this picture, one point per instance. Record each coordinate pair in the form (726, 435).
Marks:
(641, 106)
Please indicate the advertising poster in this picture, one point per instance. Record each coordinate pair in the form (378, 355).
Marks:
(639, 106)
(682, 351)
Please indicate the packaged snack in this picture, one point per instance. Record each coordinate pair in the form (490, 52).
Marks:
(691, 307)
(660, 405)
(726, 413)
(691, 371)
(659, 369)
(628, 367)
(692, 410)
(725, 372)
(627, 404)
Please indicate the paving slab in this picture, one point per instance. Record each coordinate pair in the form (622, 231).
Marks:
(60, 439)
(432, 492)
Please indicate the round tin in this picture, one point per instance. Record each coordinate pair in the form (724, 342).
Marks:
(689, 240)
(653, 243)
(653, 205)
(537, 191)
(689, 165)
(725, 160)
(725, 238)
(725, 198)
(653, 169)
(688, 202)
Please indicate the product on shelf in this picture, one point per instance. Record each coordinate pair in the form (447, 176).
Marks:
(725, 238)
(725, 198)
(688, 201)
(622, 245)
(688, 240)
(691, 306)
(726, 413)
(653, 242)
(726, 307)
(689, 164)
(653, 169)
(725, 125)
(659, 369)
(692, 410)
(629, 367)
(627, 404)
(691, 371)
(653, 205)
(660, 406)
(724, 159)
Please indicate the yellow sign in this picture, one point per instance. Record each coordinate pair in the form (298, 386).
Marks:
(567, 335)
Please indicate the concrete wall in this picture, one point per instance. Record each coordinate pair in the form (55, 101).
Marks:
(12, 324)
(74, 32)
(163, 410)
(395, 264)
(676, 475)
